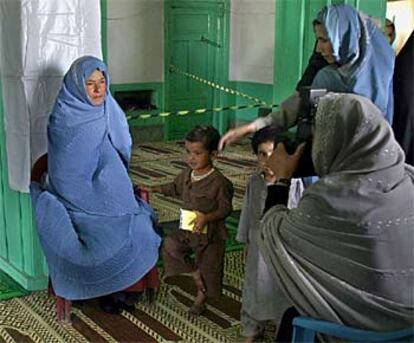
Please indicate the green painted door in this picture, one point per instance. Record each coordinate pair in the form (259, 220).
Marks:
(194, 40)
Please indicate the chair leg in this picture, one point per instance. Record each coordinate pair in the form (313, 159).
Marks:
(68, 311)
(63, 309)
(285, 330)
(301, 334)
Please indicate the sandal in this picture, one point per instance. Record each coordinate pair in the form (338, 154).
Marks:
(108, 305)
(197, 309)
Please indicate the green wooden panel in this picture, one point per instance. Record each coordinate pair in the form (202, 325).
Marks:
(194, 43)
(312, 9)
(222, 120)
(13, 251)
(177, 127)
(262, 91)
(3, 169)
(33, 259)
(189, 29)
(104, 29)
(375, 8)
(21, 256)
(289, 41)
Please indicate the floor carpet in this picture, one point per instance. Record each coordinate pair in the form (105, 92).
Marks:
(32, 318)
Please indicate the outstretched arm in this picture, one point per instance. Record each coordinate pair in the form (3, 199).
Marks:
(284, 118)
(235, 134)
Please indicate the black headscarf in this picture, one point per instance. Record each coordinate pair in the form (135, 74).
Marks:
(316, 63)
(403, 124)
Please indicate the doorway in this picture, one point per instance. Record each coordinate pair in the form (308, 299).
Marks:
(196, 44)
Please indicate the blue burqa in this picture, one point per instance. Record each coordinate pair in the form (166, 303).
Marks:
(364, 58)
(98, 237)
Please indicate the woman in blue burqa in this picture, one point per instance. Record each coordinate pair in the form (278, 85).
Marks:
(98, 237)
(358, 58)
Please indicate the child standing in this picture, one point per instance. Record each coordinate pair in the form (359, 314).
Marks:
(208, 193)
(262, 298)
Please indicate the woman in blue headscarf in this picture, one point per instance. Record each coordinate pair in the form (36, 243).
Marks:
(360, 58)
(360, 61)
(98, 237)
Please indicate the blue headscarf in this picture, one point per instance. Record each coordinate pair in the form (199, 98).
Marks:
(364, 58)
(87, 144)
(97, 237)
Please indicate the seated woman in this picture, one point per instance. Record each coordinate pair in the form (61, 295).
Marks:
(346, 253)
(97, 236)
(359, 61)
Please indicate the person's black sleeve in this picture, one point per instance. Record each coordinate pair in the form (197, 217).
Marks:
(276, 195)
(316, 63)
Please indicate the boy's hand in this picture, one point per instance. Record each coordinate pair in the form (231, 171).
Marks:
(199, 222)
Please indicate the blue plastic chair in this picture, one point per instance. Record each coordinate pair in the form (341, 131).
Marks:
(305, 328)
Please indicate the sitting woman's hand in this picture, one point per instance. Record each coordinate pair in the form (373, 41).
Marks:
(233, 135)
(151, 189)
(282, 164)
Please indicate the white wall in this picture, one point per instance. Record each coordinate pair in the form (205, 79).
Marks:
(402, 13)
(136, 40)
(252, 37)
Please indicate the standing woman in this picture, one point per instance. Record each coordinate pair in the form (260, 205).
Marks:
(360, 61)
(98, 237)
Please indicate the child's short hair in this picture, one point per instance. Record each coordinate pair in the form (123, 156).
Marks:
(207, 135)
(266, 134)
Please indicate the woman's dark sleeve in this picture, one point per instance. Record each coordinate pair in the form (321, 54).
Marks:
(39, 168)
(276, 195)
(316, 63)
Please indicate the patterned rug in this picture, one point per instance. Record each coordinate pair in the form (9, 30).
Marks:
(32, 318)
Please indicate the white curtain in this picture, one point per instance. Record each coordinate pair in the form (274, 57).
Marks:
(39, 39)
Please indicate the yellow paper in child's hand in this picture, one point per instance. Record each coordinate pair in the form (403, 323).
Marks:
(187, 218)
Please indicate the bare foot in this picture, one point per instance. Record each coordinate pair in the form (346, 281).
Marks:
(198, 281)
(200, 298)
(199, 302)
(199, 305)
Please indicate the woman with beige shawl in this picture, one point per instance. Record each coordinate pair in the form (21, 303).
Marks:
(346, 253)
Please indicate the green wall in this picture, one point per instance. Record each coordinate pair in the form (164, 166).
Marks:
(261, 91)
